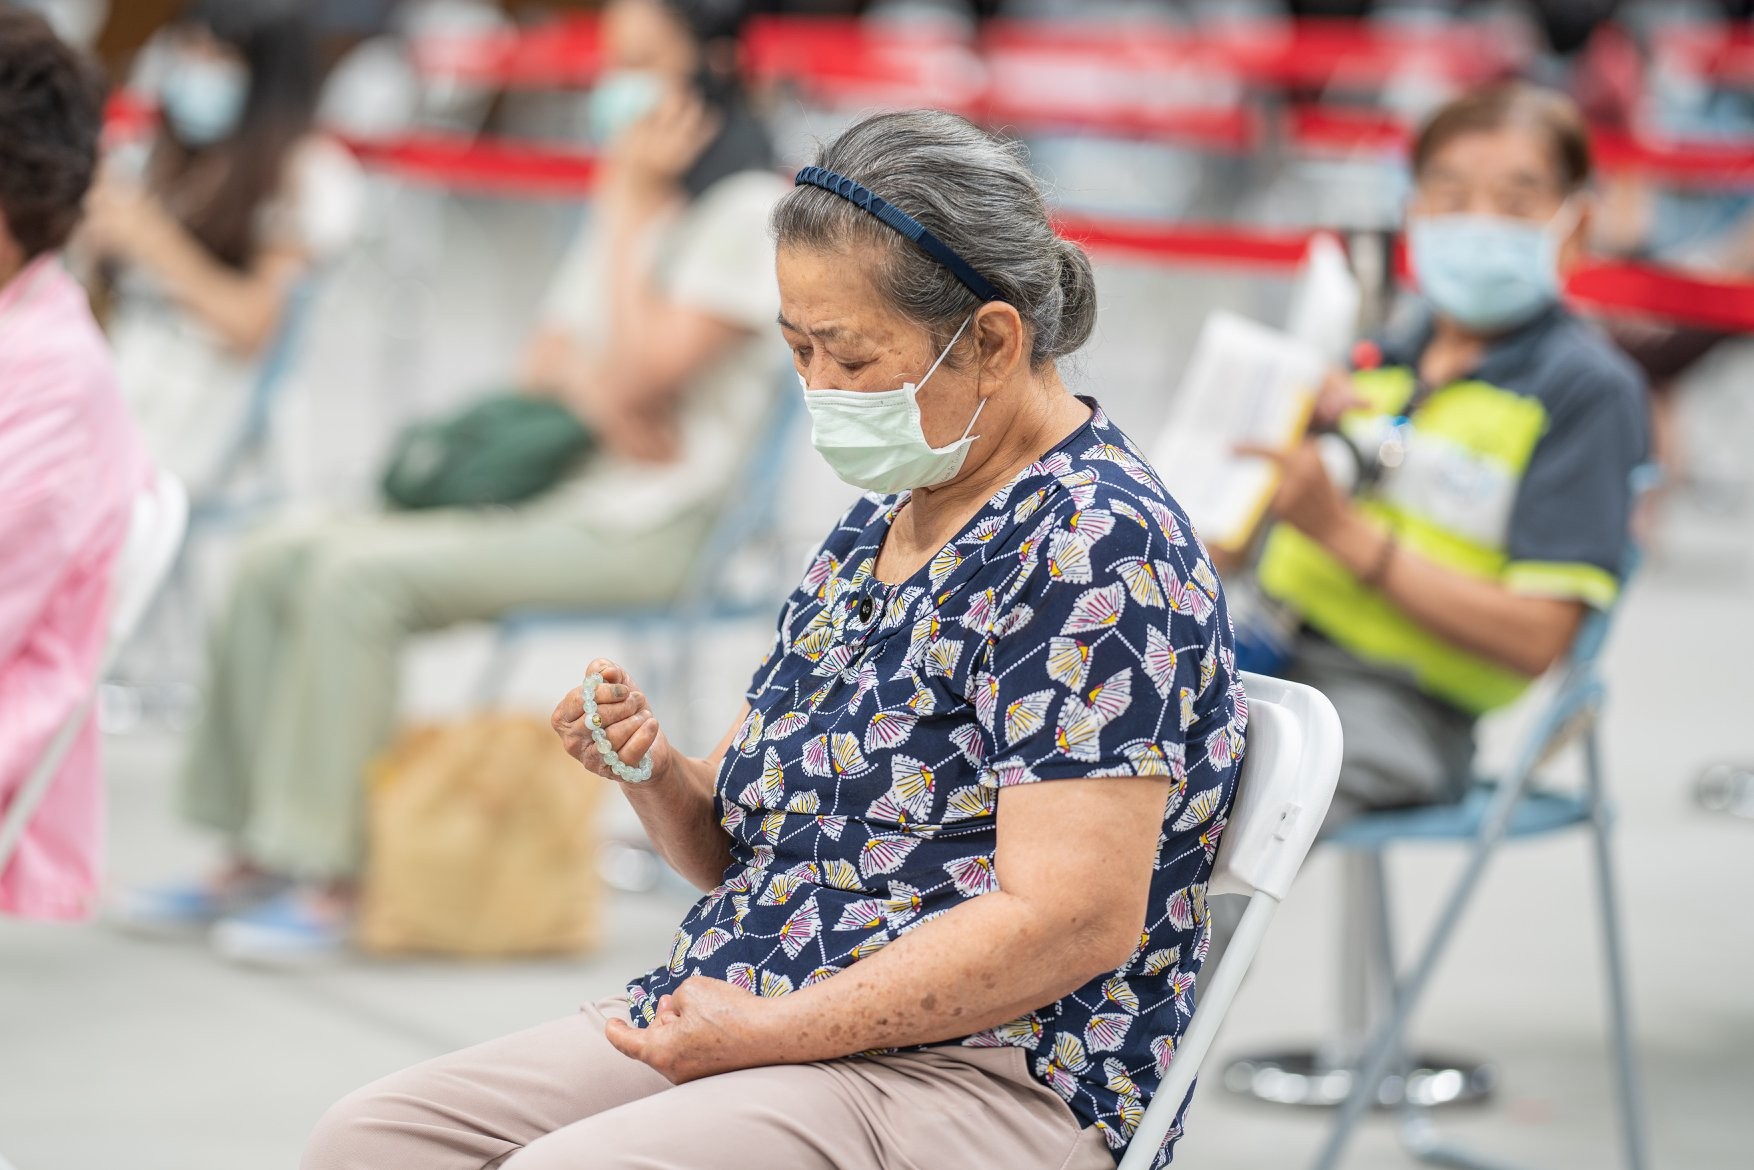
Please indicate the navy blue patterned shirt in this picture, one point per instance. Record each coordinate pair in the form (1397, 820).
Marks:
(1073, 629)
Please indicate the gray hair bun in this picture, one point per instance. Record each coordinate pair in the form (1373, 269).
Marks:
(977, 194)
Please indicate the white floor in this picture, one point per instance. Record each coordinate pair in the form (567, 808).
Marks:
(122, 1053)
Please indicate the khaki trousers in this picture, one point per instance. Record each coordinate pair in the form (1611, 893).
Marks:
(559, 1097)
(305, 657)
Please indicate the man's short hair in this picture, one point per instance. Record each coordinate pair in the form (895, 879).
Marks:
(1513, 105)
(51, 119)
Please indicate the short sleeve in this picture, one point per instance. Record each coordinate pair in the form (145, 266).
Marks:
(1107, 658)
(322, 207)
(721, 261)
(1573, 510)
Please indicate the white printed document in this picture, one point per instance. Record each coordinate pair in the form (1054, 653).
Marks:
(1245, 383)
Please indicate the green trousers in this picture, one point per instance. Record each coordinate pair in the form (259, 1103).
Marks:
(305, 658)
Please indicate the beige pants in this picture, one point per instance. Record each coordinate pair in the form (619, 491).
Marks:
(558, 1097)
(305, 658)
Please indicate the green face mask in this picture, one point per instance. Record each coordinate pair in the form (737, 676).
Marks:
(620, 98)
(874, 440)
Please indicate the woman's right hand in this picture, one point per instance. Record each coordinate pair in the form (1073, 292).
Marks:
(626, 717)
(1338, 394)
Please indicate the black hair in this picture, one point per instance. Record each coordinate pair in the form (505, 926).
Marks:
(278, 48)
(1507, 105)
(51, 118)
(743, 142)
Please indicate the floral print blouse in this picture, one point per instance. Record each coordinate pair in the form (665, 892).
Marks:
(1073, 629)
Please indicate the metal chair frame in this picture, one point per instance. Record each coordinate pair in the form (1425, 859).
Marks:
(166, 695)
(750, 520)
(1511, 808)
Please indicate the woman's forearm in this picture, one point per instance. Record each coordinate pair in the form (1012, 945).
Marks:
(636, 306)
(1521, 633)
(679, 816)
(985, 963)
(244, 308)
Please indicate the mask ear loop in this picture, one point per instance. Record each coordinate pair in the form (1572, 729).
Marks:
(1568, 215)
(1553, 236)
(950, 345)
(980, 406)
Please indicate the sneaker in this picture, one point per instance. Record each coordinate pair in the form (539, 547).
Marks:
(285, 931)
(186, 909)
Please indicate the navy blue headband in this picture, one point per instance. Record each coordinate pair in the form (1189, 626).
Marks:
(865, 199)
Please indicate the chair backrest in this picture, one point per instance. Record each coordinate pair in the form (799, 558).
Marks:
(753, 495)
(155, 534)
(273, 373)
(1289, 768)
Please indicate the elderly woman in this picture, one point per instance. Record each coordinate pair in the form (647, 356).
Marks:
(955, 846)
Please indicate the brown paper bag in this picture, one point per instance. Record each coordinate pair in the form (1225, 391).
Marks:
(483, 843)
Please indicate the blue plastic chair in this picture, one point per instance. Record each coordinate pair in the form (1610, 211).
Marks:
(1377, 1070)
(167, 694)
(250, 443)
(1510, 808)
(751, 518)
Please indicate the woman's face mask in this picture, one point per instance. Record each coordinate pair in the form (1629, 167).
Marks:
(874, 439)
(1488, 272)
(620, 98)
(204, 98)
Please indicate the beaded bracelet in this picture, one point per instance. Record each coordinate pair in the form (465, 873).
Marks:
(637, 774)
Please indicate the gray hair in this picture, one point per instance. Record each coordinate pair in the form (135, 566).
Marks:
(977, 194)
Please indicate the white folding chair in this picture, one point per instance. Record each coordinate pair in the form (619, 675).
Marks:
(161, 514)
(1289, 770)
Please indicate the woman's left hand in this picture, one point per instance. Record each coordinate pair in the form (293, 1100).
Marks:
(122, 220)
(1307, 498)
(704, 1028)
(656, 150)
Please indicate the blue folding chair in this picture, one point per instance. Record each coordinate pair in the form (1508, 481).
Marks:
(749, 520)
(158, 687)
(218, 504)
(1510, 808)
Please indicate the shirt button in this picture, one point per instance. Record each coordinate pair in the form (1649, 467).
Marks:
(865, 608)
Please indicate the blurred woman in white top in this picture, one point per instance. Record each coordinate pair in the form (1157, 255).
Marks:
(204, 233)
(653, 336)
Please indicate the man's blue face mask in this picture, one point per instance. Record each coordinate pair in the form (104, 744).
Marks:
(1488, 272)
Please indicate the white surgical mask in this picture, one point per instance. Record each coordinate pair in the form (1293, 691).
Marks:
(204, 100)
(874, 439)
(620, 98)
(1488, 272)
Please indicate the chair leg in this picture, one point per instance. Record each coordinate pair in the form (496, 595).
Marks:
(490, 684)
(1383, 988)
(1360, 1006)
(1390, 1035)
(1614, 947)
(670, 684)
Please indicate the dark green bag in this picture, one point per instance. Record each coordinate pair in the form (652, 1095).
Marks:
(499, 451)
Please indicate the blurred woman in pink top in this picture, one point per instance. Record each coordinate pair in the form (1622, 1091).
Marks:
(70, 465)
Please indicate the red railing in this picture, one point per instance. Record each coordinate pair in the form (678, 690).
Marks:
(534, 170)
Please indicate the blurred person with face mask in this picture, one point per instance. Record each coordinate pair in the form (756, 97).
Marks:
(1480, 503)
(651, 337)
(206, 233)
(71, 464)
